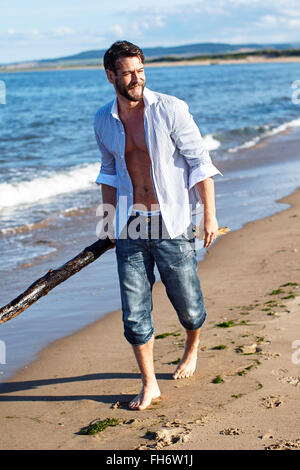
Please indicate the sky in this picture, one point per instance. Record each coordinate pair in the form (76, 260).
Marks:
(39, 29)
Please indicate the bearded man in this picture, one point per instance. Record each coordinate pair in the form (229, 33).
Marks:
(155, 170)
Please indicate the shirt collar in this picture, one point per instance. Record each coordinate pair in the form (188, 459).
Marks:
(149, 99)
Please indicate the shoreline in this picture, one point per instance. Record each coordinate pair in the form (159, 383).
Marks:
(59, 397)
(180, 63)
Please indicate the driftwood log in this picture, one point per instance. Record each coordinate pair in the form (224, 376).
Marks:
(54, 277)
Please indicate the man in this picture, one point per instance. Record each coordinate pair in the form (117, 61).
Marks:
(154, 169)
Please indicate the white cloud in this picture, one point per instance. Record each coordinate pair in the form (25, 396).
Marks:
(270, 20)
(285, 23)
(158, 21)
(294, 22)
(151, 22)
(144, 23)
(292, 12)
(116, 29)
(64, 31)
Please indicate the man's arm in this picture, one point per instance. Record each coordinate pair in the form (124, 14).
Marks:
(190, 144)
(107, 178)
(207, 193)
(188, 140)
(109, 195)
(107, 213)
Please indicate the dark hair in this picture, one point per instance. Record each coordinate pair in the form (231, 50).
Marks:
(121, 49)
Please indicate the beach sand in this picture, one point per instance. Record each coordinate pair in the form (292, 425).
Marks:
(244, 396)
(218, 61)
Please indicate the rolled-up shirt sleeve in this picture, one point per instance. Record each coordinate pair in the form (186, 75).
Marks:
(107, 174)
(187, 138)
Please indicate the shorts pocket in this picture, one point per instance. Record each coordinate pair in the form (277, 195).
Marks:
(185, 257)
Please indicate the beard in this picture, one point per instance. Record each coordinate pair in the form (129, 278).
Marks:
(125, 91)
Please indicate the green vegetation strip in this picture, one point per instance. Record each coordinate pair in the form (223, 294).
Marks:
(290, 284)
(230, 323)
(164, 335)
(99, 426)
(277, 291)
(281, 291)
(247, 369)
(217, 380)
(268, 53)
(175, 362)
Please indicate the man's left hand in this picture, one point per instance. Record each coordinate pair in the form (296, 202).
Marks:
(210, 230)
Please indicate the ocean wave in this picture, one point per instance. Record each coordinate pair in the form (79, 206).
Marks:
(25, 228)
(211, 143)
(43, 187)
(46, 222)
(268, 132)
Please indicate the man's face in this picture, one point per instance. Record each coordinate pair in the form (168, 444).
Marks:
(129, 79)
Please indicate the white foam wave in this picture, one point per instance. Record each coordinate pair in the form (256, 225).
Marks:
(210, 142)
(43, 187)
(268, 133)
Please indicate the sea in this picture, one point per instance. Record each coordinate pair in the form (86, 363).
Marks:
(49, 161)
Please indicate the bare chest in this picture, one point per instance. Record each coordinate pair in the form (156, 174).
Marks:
(138, 161)
(135, 140)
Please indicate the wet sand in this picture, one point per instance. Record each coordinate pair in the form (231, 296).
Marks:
(244, 394)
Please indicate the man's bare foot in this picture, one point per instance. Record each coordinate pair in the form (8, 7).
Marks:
(145, 397)
(187, 365)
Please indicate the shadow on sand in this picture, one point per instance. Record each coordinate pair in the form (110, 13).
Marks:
(11, 387)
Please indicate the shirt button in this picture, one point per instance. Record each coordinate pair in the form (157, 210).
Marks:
(148, 220)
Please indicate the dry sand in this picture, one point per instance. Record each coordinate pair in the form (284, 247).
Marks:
(92, 374)
(217, 61)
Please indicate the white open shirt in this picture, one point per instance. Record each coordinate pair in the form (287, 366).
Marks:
(178, 157)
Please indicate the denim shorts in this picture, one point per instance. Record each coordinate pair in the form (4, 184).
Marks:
(177, 265)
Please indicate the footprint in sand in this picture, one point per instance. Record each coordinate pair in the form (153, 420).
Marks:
(166, 437)
(268, 355)
(272, 401)
(171, 433)
(281, 377)
(231, 432)
(284, 445)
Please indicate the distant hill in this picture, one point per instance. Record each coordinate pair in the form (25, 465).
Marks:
(94, 57)
(186, 50)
